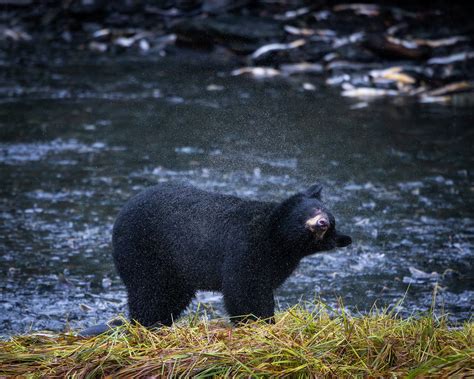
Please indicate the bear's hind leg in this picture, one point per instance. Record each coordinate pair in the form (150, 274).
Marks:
(248, 301)
(158, 305)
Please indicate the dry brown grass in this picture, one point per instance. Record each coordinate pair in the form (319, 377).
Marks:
(301, 343)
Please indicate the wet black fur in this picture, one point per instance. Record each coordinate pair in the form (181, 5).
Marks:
(172, 240)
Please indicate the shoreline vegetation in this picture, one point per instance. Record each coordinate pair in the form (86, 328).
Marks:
(378, 50)
(320, 342)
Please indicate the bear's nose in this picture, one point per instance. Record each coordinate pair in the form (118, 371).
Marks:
(323, 223)
(319, 223)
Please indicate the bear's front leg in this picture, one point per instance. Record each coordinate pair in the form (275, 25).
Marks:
(248, 300)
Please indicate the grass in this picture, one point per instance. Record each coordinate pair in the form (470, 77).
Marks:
(302, 343)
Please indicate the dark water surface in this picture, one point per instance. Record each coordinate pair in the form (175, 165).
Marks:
(78, 138)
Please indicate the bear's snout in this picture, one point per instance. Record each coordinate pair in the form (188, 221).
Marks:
(318, 224)
(323, 223)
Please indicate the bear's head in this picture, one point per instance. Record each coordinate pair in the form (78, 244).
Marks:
(306, 226)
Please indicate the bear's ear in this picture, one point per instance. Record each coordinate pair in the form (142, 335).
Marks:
(314, 191)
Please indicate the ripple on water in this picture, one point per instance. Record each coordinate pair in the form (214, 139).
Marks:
(17, 153)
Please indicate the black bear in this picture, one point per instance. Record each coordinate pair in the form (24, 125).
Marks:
(171, 240)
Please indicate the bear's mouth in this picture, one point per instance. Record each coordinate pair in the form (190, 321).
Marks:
(319, 234)
(318, 225)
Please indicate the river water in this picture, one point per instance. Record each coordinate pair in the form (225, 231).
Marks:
(79, 136)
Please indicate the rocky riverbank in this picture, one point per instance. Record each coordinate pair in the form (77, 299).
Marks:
(387, 49)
